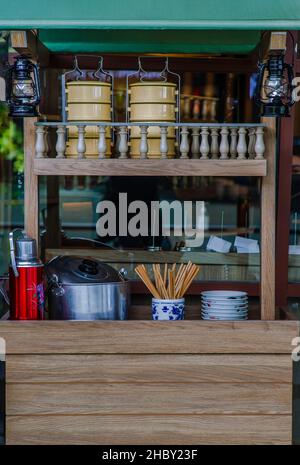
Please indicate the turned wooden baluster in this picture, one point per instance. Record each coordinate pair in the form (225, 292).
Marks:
(224, 145)
(259, 144)
(214, 147)
(40, 142)
(195, 149)
(144, 142)
(184, 144)
(242, 145)
(102, 147)
(204, 146)
(163, 142)
(117, 140)
(233, 143)
(123, 144)
(81, 147)
(60, 142)
(251, 143)
(47, 146)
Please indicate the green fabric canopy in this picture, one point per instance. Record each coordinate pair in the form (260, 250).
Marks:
(150, 25)
(151, 14)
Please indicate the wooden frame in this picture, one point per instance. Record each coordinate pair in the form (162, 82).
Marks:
(109, 381)
(262, 168)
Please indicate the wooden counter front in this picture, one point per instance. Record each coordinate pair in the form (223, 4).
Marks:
(135, 382)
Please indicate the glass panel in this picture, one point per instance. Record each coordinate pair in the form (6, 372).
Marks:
(11, 185)
(294, 248)
(226, 208)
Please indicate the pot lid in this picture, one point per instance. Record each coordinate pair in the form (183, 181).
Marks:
(71, 269)
(89, 83)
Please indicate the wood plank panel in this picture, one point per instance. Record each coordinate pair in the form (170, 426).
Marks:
(119, 167)
(154, 399)
(54, 337)
(160, 429)
(268, 225)
(140, 368)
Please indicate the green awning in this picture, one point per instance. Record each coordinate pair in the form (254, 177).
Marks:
(187, 26)
(151, 14)
(141, 41)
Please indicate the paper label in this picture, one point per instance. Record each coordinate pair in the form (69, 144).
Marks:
(217, 244)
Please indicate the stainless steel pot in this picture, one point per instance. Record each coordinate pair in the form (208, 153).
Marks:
(86, 289)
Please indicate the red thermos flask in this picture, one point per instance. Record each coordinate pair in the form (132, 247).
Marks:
(26, 279)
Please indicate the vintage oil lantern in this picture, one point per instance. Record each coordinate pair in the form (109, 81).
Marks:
(23, 88)
(274, 91)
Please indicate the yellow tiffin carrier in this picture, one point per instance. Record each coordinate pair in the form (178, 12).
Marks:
(152, 101)
(88, 101)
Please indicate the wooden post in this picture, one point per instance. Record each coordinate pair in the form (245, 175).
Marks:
(31, 194)
(27, 43)
(268, 224)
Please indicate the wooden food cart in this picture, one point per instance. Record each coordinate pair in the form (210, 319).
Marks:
(139, 381)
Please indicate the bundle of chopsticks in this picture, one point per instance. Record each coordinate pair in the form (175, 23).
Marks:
(172, 282)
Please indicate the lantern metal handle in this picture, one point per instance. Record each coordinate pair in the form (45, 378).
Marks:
(34, 68)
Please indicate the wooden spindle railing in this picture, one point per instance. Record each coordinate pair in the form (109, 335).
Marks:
(224, 145)
(204, 146)
(123, 144)
(144, 142)
(233, 143)
(197, 141)
(195, 149)
(81, 146)
(184, 145)
(214, 147)
(40, 142)
(60, 142)
(242, 146)
(163, 142)
(259, 144)
(102, 146)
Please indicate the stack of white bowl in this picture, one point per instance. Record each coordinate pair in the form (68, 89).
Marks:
(224, 305)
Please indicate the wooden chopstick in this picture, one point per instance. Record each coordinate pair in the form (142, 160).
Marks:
(173, 284)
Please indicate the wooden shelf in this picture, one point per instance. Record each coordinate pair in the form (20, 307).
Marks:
(145, 256)
(120, 167)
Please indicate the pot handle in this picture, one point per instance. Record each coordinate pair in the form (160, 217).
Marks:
(123, 273)
(55, 286)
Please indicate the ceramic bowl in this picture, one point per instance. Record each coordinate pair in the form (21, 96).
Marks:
(221, 318)
(224, 294)
(163, 309)
(220, 312)
(224, 306)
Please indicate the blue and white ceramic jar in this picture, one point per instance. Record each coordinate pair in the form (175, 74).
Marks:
(171, 309)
